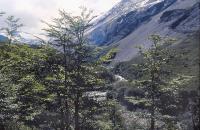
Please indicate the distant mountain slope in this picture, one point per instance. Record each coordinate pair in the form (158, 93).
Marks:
(124, 18)
(179, 27)
(3, 38)
(131, 22)
(187, 64)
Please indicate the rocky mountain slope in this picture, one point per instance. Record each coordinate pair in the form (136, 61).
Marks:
(131, 22)
(3, 38)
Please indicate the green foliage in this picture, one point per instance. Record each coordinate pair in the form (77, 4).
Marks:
(107, 58)
(7, 97)
(23, 70)
(178, 76)
(30, 96)
(79, 73)
(45, 88)
(154, 75)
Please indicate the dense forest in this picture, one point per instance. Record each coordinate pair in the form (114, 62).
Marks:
(66, 83)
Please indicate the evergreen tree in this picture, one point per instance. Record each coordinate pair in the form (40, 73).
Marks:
(155, 69)
(81, 69)
(12, 29)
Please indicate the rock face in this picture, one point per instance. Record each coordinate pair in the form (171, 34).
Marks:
(123, 19)
(184, 20)
(131, 22)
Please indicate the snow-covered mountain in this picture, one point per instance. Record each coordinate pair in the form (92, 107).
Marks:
(131, 22)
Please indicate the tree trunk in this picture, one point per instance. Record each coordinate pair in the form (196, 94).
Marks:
(152, 114)
(153, 88)
(113, 116)
(65, 84)
(198, 109)
(62, 123)
(153, 109)
(9, 41)
(2, 127)
(76, 115)
(67, 116)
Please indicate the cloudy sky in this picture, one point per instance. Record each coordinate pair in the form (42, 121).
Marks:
(32, 12)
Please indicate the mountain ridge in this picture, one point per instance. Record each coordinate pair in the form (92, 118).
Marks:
(124, 18)
(3, 38)
(172, 18)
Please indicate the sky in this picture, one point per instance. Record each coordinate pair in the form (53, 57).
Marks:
(32, 12)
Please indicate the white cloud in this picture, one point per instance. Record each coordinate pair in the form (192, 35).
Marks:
(32, 12)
